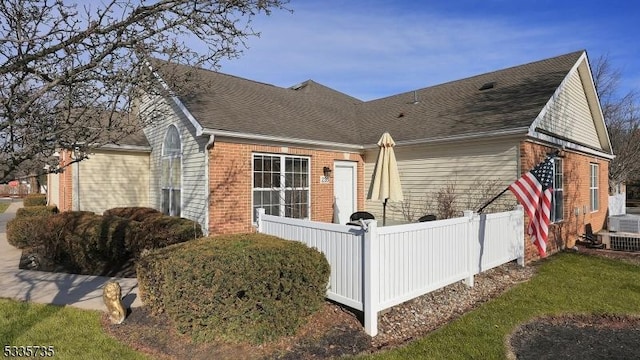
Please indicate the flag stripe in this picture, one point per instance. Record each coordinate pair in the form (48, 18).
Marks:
(533, 191)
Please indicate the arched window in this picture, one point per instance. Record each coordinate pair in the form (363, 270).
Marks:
(171, 182)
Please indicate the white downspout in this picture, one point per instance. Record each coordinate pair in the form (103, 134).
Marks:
(207, 188)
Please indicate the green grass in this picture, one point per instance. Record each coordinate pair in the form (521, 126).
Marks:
(73, 333)
(565, 284)
(3, 206)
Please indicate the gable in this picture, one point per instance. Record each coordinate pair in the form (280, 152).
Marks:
(573, 116)
(569, 115)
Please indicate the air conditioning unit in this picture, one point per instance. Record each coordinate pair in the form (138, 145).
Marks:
(624, 223)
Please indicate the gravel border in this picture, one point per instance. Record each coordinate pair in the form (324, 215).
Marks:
(415, 318)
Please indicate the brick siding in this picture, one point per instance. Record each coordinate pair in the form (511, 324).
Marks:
(230, 183)
(576, 170)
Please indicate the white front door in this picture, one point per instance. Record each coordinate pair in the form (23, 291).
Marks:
(344, 190)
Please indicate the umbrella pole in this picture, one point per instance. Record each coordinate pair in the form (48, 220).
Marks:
(384, 212)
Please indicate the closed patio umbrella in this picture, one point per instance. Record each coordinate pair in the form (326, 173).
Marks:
(385, 184)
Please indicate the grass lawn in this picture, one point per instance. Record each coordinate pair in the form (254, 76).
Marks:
(73, 333)
(566, 283)
(3, 206)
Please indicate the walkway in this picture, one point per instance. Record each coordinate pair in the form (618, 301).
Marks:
(80, 291)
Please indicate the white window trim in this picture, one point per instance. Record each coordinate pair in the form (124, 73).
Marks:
(592, 187)
(557, 188)
(283, 158)
(163, 156)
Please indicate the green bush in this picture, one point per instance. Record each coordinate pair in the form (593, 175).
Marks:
(159, 230)
(35, 200)
(24, 232)
(87, 243)
(94, 244)
(132, 213)
(249, 287)
(37, 210)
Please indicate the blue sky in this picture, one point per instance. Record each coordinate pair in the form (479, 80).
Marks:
(371, 49)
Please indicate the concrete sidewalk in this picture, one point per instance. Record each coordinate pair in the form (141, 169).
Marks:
(80, 291)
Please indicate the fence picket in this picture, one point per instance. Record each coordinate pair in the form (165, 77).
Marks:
(380, 267)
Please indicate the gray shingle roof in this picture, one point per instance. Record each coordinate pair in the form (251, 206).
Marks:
(307, 111)
(460, 108)
(312, 111)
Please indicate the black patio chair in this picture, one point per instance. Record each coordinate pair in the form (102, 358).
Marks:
(360, 215)
(429, 217)
(589, 239)
(364, 215)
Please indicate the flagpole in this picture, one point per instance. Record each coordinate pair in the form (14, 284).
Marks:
(492, 200)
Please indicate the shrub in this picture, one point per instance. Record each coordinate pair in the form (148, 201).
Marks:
(38, 210)
(159, 230)
(235, 288)
(23, 232)
(35, 200)
(86, 243)
(132, 213)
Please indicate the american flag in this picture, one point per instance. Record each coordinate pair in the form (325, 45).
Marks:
(533, 190)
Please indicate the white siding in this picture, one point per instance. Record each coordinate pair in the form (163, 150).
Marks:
(476, 170)
(569, 115)
(53, 189)
(194, 178)
(111, 179)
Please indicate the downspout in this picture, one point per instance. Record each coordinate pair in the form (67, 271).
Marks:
(207, 187)
(76, 181)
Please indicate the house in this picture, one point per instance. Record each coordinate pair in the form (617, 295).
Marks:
(113, 175)
(233, 145)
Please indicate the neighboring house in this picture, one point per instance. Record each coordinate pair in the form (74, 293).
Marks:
(112, 176)
(233, 145)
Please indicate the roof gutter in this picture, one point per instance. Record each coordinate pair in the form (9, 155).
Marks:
(271, 138)
(132, 148)
(521, 131)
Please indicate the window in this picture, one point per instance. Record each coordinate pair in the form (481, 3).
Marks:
(171, 183)
(593, 188)
(281, 185)
(557, 199)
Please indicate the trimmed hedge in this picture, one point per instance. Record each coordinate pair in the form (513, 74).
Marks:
(132, 213)
(89, 243)
(37, 210)
(159, 230)
(28, 231)
(249, 287)
(35, 200)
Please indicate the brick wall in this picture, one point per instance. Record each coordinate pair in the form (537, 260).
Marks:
(230, 183)
(576, 169)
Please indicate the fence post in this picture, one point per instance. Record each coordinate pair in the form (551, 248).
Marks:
(259, 213)
(371, 258)
(470, 238)
(520, 235)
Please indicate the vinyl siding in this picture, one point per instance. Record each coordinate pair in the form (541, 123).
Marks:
(569, 115)
(111, 179)
(53, 189)
(194, 182)
(475, 170)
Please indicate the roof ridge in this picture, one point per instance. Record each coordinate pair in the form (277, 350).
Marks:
(483, 74)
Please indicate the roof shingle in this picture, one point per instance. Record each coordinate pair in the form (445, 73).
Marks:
(315, 112)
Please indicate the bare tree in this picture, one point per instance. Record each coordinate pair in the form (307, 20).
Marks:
(69, 72)
(622, 116)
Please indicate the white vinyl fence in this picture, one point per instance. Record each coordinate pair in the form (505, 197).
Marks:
(374, 268)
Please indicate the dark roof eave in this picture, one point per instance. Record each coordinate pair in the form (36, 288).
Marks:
(282, 139)
(515, 133)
